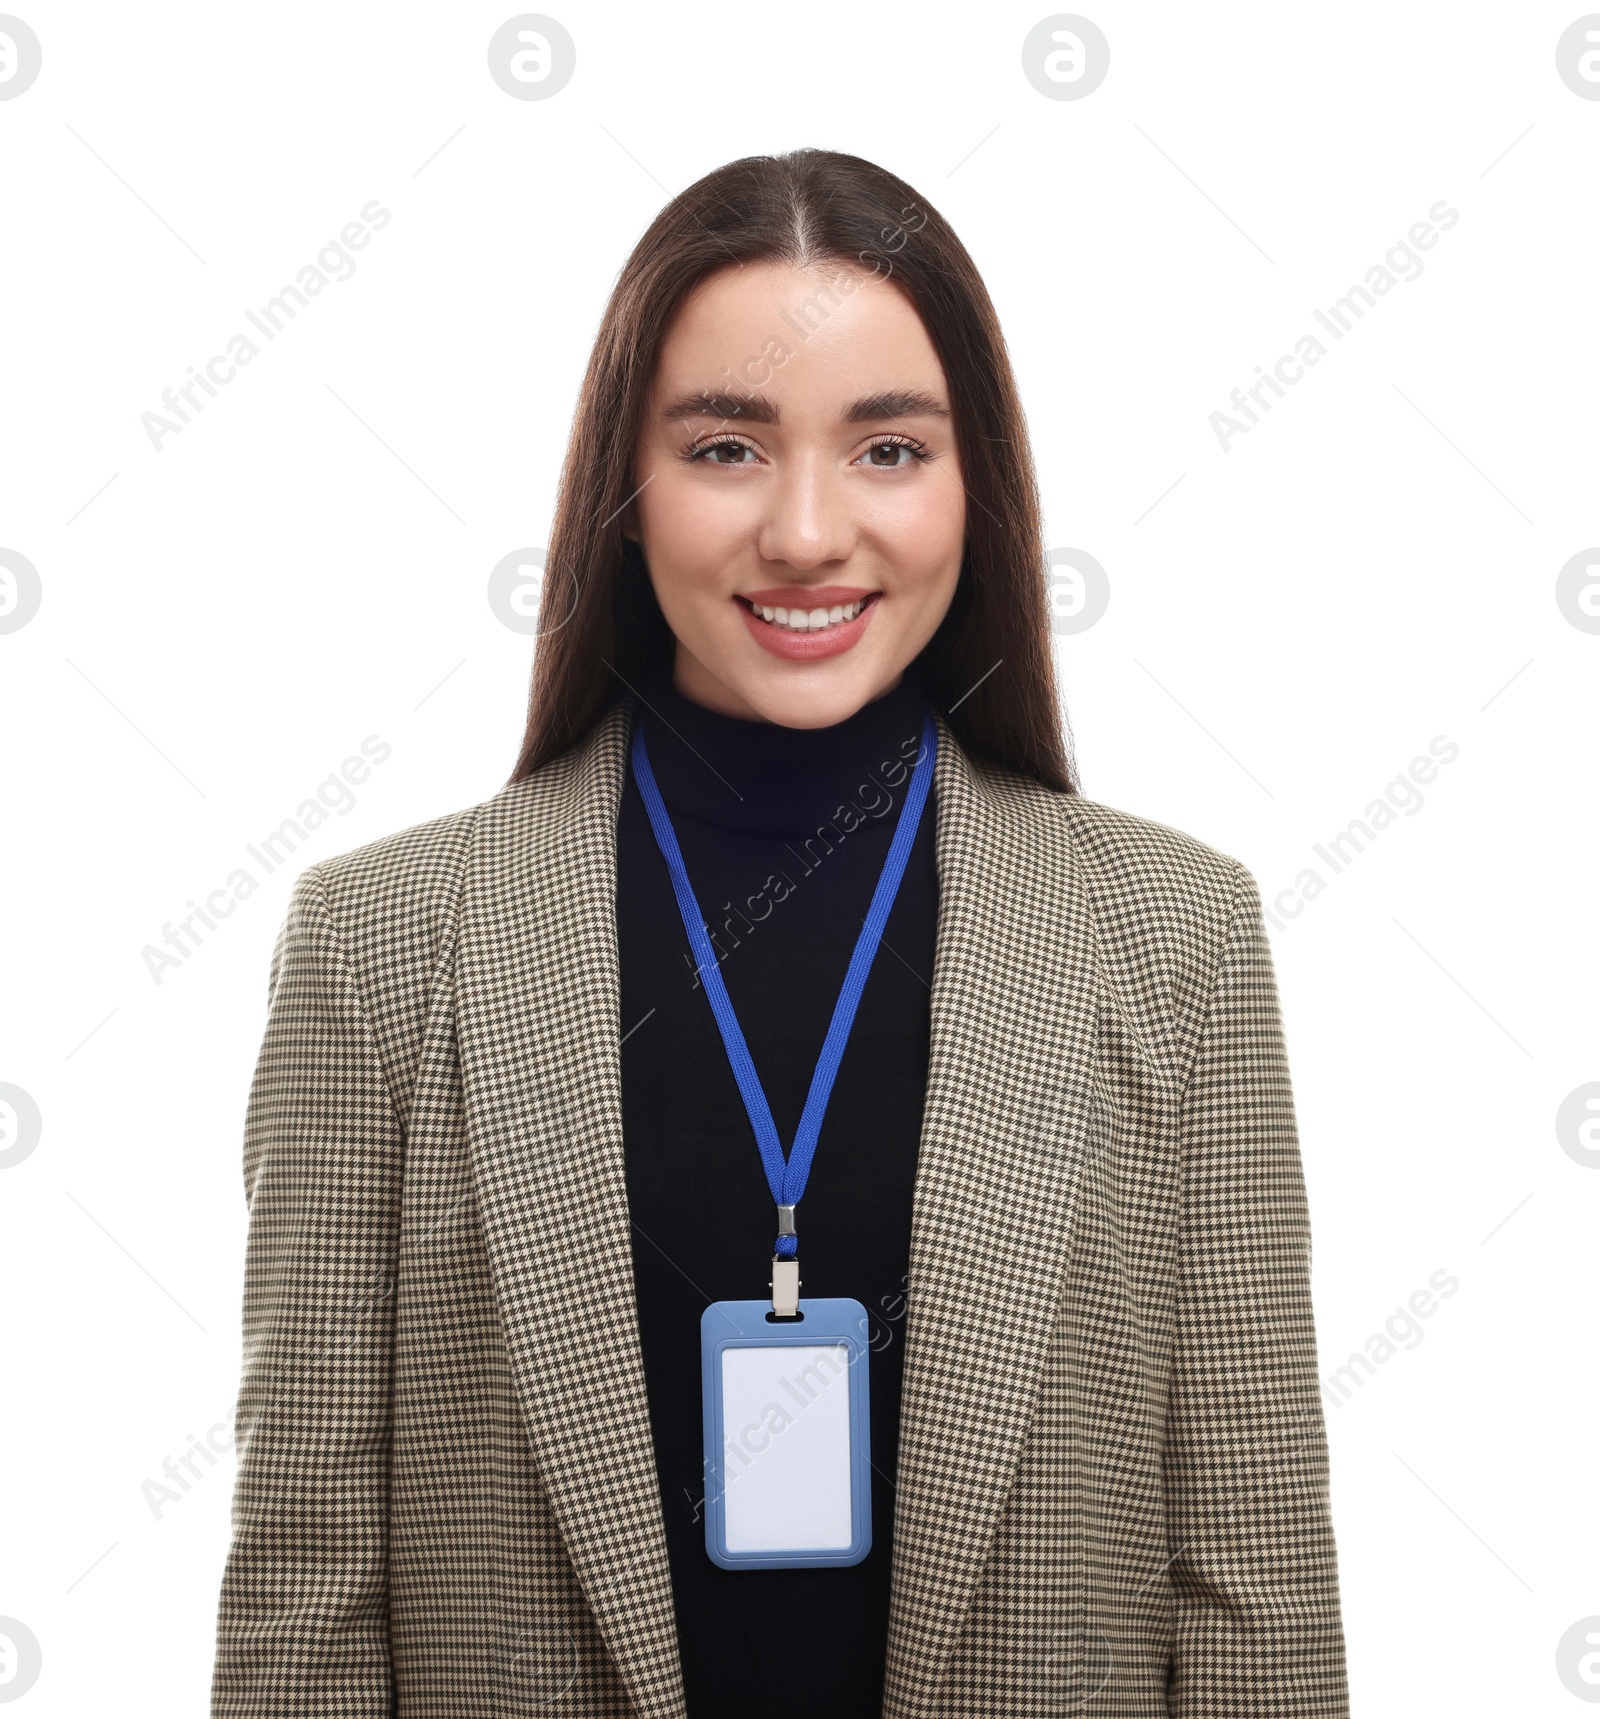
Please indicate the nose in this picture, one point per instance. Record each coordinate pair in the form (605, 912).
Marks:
(808, 522)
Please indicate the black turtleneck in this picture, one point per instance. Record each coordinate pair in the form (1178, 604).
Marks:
(784, 832)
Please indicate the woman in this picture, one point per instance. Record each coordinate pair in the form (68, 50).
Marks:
(793, 862)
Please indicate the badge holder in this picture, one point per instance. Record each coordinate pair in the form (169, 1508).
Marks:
(787, 1434)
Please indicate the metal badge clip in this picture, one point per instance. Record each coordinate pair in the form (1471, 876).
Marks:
(785, 1272)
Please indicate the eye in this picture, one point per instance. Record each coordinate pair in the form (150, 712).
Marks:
(885, 455)
(712, 450)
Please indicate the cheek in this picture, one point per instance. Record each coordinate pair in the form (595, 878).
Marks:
(922, 531)
(689, 522)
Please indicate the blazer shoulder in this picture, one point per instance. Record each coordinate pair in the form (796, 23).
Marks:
(394, 901)
(401, 885)
(1165, 906)
(391, 907)
(1150, 887)
(1163, 870)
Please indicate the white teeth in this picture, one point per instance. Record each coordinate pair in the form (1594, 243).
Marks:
(808, 620)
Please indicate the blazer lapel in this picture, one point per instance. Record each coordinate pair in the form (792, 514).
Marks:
(538, 1027)
(1006, 1124)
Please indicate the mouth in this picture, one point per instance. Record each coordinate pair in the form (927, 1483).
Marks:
(808, 617)
(804, 625)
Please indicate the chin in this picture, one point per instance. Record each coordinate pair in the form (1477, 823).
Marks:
(812, 700)
(729, 676)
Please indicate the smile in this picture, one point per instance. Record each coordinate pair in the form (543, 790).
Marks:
(808, 625)
(799, 620)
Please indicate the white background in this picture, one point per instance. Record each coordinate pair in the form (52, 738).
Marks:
(305, 565)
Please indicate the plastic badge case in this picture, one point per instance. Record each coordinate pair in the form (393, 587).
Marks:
(787, 1435)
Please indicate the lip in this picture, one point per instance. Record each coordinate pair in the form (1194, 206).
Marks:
(806, 596)
(806, 647)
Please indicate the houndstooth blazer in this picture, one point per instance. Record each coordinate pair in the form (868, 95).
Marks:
(1112, 1491)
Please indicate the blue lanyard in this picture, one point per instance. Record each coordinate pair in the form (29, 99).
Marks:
(786, 1177)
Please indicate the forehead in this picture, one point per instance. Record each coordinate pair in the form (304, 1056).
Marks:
(830, 324)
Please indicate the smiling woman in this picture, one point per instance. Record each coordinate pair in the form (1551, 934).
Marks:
(903, 1311)
(877, 335)
(846, 461)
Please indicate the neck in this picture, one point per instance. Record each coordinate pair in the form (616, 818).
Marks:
(746, 773)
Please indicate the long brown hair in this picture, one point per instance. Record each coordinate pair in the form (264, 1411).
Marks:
(988, 667)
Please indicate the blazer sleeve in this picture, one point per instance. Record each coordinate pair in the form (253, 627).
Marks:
(1255, 1583)
(303, 1617)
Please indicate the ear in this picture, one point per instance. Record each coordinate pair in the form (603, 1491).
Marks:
(630, 522)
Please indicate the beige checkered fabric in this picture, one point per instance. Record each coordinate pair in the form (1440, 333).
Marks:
(1113, 1483)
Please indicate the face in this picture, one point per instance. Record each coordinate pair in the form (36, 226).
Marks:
(801, 510)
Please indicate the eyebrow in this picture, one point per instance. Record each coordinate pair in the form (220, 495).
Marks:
(758, 409)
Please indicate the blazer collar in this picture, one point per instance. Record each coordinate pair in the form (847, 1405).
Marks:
(1005, 1126)
(537, 1019)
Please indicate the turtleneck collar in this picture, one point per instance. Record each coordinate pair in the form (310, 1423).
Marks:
(765, 779)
